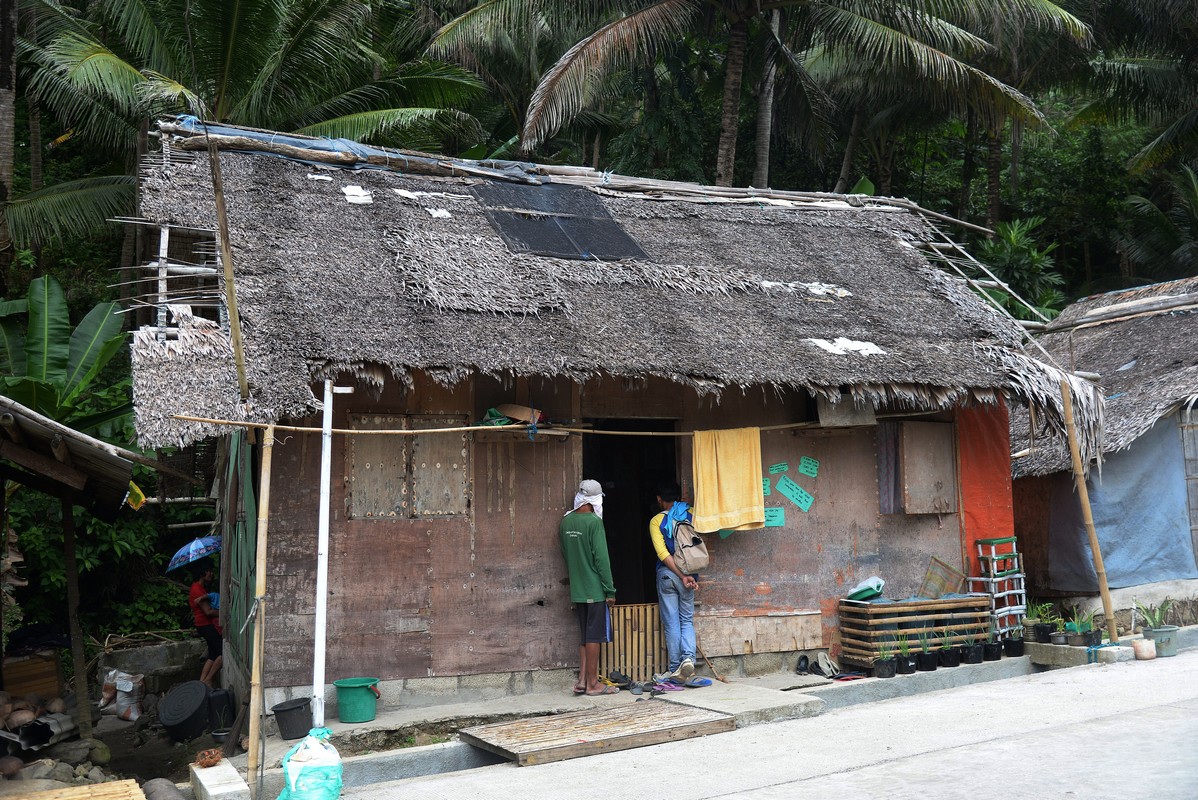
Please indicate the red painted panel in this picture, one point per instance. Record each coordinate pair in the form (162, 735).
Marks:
(984, 454)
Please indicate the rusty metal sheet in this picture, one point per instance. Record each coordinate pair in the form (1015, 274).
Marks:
(439, 468)
(377, 468)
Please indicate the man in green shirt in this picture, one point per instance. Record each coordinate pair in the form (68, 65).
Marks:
(584, 545)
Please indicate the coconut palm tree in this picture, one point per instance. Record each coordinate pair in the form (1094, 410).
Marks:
(1148, 69)
(1162, 239)
(916, 37)
(345, 68)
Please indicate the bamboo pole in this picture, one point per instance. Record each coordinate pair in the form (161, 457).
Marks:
(226, 258)
(253, 762)
(1084, 496)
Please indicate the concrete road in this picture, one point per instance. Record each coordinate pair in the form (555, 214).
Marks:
(1126, 730)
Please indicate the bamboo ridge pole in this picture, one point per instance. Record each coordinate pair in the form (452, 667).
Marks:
(257, 711)
(226, 258)
(1084, 496)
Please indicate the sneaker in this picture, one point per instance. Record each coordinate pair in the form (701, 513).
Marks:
(661, 677)
(684, 671)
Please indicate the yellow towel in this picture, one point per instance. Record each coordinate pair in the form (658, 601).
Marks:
(727, 471)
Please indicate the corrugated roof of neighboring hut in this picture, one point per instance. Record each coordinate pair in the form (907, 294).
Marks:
(734, 294)
(1143, 343)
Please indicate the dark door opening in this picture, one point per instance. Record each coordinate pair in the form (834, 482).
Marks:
(630, 468)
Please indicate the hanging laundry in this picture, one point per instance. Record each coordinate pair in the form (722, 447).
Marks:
(727, 471)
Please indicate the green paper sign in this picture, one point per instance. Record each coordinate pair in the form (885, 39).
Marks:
(795, 493)
(809, 466)
(775, 517)
(765, 486)
(777, 468)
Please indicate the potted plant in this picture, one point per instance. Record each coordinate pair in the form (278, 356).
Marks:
(1013, 647)
(992, 647)
(904, 662)
(1156, 629)
(1058, 634)
(1079, 625)
(925, 659)
(1044, 626)
(950, 655)
(971, 651)
(885, 665)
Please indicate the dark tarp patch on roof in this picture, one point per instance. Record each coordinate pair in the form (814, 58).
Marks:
(559, 221)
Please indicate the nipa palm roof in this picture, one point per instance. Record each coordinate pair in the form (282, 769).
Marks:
(380, 272)
(1143, 345)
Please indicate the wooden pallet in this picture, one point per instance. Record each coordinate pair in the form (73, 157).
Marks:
(117, 790)
(866, 627)
(598, 730)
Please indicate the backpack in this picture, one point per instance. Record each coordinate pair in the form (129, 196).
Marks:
(690, 551)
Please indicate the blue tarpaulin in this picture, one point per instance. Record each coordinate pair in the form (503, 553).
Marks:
(1140, 514)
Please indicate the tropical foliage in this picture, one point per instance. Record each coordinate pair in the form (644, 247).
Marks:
(50, 368)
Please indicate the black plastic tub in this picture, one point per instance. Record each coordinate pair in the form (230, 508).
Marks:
(184, 711)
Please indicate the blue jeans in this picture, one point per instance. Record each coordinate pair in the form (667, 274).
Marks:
(676, 604)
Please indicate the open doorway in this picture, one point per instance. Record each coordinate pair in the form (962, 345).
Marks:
(631, 468)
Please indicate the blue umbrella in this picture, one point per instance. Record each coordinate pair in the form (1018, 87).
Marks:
(194, 550)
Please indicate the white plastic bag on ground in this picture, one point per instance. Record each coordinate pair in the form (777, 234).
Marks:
(121, 694)
(312, 769)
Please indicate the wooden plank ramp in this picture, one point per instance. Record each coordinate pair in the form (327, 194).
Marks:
(116, 790)
(540, 740)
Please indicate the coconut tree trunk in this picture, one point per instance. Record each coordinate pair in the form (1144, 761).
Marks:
(968, 167)
(8, 109)
(36, 180)
(765, 108)
(83, 707)
(850, 152)
(993, 178)
(734, 70)
(1016, 149)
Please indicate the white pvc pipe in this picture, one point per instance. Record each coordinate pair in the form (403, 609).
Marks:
(322, 552)
(322, 558)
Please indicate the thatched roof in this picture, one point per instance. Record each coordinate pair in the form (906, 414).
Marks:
(1142, 343)
(739, 289)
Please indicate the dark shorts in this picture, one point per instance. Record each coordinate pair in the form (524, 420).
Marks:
(594, 622)
(210, 635)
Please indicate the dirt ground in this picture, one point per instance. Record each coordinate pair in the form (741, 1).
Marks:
(148, 752)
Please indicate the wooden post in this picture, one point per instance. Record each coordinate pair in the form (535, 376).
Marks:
(226, 260)
(1083, 495)
(83, 706)
(256, 709)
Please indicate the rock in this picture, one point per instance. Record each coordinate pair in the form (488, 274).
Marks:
(75, 752)
(62, 771)
(10, 766)
(149, 703)
(81, 769)
(96, 775)
(27, 787)
(100, 754)
(36, 770)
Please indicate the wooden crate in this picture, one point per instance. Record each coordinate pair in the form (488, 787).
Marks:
(39, 673)
(865, 626)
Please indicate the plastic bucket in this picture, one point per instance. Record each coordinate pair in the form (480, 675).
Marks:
(294, 717)
(357, 699)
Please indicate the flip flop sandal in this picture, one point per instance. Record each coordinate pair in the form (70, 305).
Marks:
(803, 665)
(669, 687)
(578, 690)
(697, 682)
(610, 683)
(606, 690)
(827, 667)
(636, 688)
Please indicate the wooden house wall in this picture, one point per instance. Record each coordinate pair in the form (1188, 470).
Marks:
(486, 592)
(1032, 499)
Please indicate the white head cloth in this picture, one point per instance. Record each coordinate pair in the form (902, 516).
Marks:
(589, 492)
